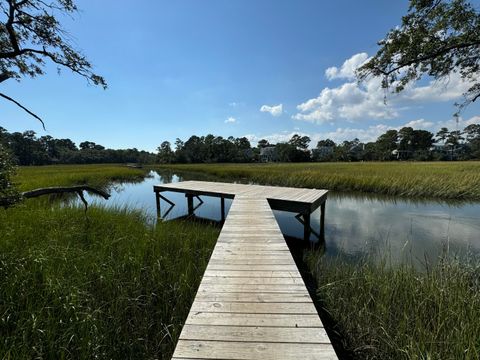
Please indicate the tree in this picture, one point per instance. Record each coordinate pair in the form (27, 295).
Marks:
(453, 141)
(437, 38)
(472, 131)
(8, 193)
(165, 154)
(442, 134)
(300, 142)
(326, 143)
(31, 34)
(386, 143)
(263, 143)
(473, 137)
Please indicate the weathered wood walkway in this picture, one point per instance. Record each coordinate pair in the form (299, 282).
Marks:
(252, 302)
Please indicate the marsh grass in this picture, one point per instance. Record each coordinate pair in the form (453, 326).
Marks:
(100, 285)
(385, 312)
(32, 177)
(442, 180)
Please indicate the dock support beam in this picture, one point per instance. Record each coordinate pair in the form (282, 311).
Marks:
(306, 226)
(189, 203)
(322, 222)
(157, 198)
(222, 206)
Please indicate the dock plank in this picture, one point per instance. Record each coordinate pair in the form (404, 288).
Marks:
(252, 302)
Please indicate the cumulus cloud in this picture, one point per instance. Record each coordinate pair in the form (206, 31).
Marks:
(279, 137)
(349, 101)
(274, 110)
(230, 120)
(420, 124)
(352, 100)
(347, 71)
(439, 90)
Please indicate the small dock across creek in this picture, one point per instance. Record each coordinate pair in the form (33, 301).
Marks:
(252, 303)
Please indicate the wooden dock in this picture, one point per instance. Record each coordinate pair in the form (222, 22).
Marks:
(252, 302)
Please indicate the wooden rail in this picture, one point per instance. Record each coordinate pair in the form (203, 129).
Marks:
(252, 302)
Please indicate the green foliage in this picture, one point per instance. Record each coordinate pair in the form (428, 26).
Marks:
(384, 312)
(31, 33)
(210, 148)
(165, 154)
(443, 180)
(29, 149)
(436, 38)
(104, 285)
(9, 195)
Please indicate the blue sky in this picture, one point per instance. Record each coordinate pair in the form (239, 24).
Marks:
(177, 68)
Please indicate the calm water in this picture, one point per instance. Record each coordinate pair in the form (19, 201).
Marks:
(355, 224)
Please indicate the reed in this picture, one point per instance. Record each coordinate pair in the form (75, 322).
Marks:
(97, 285)
(441, 180)
(385, 312)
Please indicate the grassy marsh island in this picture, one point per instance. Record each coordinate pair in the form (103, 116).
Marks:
(97, 175)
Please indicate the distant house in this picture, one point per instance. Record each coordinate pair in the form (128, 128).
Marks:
(448, 150)
(402, 154)
(323, 153)
(268, 154)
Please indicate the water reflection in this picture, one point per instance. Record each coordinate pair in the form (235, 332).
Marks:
(355, 223)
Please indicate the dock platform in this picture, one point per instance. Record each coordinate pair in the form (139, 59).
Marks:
(252, 303)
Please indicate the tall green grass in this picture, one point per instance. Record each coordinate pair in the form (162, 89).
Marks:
(32, 177)
(384, 312)
(444, 180)
(96, 285)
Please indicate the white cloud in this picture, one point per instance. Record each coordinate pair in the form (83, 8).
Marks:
(230, 120)
(348, 101)
(347, 71)
(452, 88)
(234, 104)
(420, 124)
(274, 110)
(352, 100)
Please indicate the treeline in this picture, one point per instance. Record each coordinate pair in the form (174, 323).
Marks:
(28, 149)
(403, 144)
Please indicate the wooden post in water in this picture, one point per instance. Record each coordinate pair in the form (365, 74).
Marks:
(189, 203)
(157, 198)
(322, 222)
(222, 206)
(306, 226)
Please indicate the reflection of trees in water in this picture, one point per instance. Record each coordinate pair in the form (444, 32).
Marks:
(389, 199)
(168, 176)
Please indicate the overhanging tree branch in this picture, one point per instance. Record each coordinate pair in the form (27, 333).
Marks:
(31, 34)
(78, 189)
(437, 38)
(24, 108)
